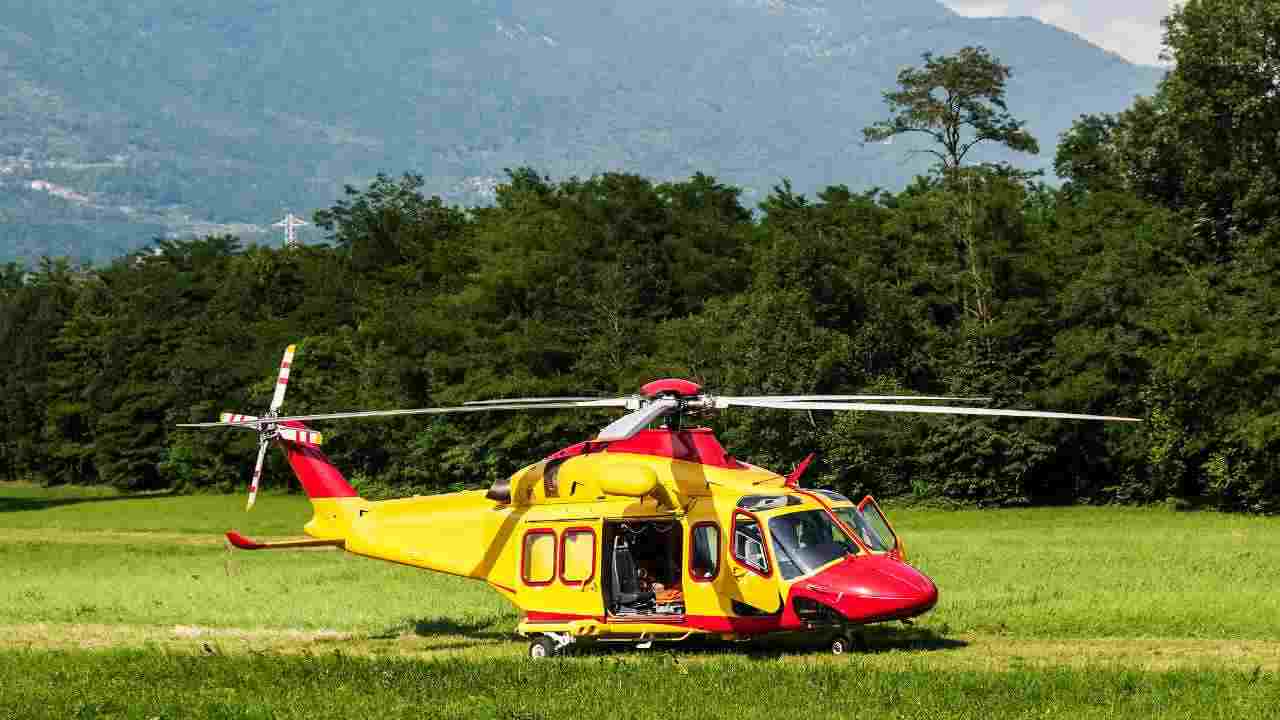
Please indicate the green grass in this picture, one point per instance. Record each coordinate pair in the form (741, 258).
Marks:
(139, 684)
(1099, 572)
(81, 509)
(160, 560)
(1044, 573)
(1069, 612)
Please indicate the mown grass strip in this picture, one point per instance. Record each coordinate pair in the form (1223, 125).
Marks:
(149, 684)
(887, 648)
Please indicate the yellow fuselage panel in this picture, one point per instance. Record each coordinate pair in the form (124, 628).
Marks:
(470, 535)
(590, 478)
(458, 533)
(331, 518)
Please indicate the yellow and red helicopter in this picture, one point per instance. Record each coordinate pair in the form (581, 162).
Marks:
(638, 535)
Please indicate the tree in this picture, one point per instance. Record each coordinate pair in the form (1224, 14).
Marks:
(1223, 99)
(958, 101)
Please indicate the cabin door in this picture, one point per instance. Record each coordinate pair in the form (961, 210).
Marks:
(875, 527)
(752, 580)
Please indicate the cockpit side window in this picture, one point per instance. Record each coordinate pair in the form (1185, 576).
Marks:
(857, 522)
(748, 544)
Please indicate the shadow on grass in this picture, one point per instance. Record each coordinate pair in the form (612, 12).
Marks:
(872, 640)
(27, 504)
(868, 641)
(884, 639)
(482, 629)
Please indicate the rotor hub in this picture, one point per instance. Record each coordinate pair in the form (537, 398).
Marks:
(671, 387)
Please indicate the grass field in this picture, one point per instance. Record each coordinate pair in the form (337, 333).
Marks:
(133, 607)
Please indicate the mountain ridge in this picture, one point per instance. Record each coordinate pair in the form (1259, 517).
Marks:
(163, 118)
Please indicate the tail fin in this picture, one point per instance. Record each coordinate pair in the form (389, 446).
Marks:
(335, 502)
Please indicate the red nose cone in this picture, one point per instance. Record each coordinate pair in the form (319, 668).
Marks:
(671, 386)
(871, 588)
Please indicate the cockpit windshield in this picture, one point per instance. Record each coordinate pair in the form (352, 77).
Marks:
(805, 541)
(873, 539)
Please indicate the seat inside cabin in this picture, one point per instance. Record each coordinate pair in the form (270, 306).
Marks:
(642, 568)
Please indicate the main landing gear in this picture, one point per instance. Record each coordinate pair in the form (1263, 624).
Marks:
(544, 646)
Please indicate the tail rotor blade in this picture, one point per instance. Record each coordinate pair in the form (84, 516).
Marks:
(282, 380)
(257, 474)
(302, 437)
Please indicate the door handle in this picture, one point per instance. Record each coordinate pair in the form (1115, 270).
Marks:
(737, 571)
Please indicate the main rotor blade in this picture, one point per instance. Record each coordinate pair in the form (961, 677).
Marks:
(257, 474)
(620, 402)
(845, 398)
(591, 404)
(930, 409)
(282, 380)
(632, 423)
(249, 422)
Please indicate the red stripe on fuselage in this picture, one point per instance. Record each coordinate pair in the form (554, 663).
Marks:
(706, 623)
(697, 445)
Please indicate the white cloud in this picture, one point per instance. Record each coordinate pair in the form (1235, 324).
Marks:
(1130, 28)
(980, 9)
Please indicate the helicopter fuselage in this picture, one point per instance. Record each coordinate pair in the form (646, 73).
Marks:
(660, 536)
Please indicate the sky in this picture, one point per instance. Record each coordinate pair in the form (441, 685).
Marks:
(1130, 28)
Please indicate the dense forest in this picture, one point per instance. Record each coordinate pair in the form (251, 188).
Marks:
(1145, 284)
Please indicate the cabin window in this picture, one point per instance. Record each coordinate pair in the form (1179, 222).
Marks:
(539, 564)
(577, 556)
(748, 544)
(704, 551)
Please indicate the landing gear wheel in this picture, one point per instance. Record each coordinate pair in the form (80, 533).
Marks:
(840, 645)
(847, 642)
(542, 647)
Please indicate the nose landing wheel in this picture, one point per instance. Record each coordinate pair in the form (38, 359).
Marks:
(846, 642)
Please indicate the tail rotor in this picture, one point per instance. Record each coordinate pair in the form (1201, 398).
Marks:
(267, 427)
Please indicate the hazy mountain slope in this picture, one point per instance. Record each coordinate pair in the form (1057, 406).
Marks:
(119, 121)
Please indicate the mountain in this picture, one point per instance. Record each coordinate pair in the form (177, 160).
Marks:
(123, 121)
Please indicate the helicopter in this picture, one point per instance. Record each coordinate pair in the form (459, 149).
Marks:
(639, 535)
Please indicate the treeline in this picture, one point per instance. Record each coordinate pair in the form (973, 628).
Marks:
(1145, 285)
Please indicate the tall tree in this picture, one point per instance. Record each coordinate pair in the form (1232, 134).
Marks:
(1223, 99)
(958, 102)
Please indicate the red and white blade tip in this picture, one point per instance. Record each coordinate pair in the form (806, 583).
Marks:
(227, 417)
(302, 437)
(282, 380)
(257, 475)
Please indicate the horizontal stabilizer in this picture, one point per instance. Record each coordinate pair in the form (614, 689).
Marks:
(245, 543)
